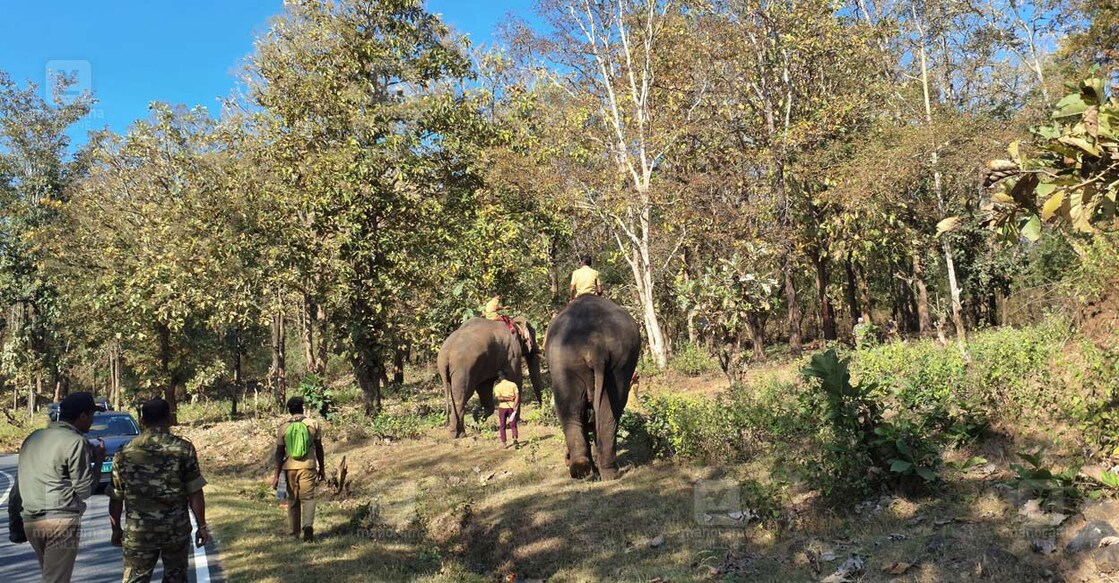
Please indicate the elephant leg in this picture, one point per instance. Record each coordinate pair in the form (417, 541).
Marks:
(460, 394)
(609, 403)
(571, 408)
(485, 396)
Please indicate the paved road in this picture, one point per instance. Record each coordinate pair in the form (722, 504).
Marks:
(98, 561)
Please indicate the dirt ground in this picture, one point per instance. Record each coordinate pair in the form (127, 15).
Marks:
(435, 509)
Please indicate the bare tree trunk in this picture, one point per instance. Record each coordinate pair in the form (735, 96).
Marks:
(33, 390)
(922, 293)
(850, 292)
(170, 393)
(114, 375)
(642, 274)
(368, 372)
(865, 302)
(794, 309)
(399, 356)
(277, 374)
(827, 313)
(756, 323)
(938, 189)
(307, 333)
(954, 287)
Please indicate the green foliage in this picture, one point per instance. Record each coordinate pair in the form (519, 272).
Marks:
(317, 396)
(1093, 405)
(908, 449)
(866, 335)
(1058, 490)
(405, 426)
(692, 360)
(1007, 367)
(731, 428)
(686, 428)
(1073, 180)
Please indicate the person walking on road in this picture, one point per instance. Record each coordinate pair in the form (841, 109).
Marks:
(299, 455)
(584, 280)
(58, 471)
(156, 478)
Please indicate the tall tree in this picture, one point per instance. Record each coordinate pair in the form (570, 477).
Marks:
(621, 63)
(36, 173)
(363, 139)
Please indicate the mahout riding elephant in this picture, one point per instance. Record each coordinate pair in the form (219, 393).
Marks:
(592, 348)
(471, 358)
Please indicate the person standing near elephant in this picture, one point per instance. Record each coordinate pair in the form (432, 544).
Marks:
(508, 403)
(493, 308)
(584, 280)
(299, 454)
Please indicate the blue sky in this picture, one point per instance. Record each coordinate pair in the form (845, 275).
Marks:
(133, 52)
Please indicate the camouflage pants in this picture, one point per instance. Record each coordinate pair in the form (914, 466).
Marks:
(140, 558)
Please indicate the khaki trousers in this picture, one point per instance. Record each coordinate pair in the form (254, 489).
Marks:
(301, 499)
(55, 541)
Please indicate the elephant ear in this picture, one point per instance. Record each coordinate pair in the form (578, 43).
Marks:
(528, 335)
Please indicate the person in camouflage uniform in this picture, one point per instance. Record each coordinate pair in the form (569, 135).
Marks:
(155, 478)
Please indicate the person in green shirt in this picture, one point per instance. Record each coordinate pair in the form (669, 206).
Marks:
(58, 471)
(584, 280)
(508, 403)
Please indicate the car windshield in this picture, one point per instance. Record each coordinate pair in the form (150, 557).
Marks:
(107, 425)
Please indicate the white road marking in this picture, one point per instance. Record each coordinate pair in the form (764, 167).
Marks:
(8, 491)
(201, 561)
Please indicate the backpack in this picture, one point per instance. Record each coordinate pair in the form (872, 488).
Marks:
(297, 439)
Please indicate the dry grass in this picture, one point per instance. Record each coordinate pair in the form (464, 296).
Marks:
(466, 510)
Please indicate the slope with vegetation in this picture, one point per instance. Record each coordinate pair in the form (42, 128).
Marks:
(753, 178)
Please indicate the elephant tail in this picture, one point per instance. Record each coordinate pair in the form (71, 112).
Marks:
(445, 374)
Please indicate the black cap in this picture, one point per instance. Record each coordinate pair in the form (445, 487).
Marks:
(155, 411)
(75, 404)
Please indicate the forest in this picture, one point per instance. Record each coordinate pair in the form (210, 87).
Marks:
(752, 178)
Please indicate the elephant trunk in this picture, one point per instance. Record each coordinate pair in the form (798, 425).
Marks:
(534, 375)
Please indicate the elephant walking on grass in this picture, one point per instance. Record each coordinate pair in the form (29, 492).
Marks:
(592, 351)
(471, 358)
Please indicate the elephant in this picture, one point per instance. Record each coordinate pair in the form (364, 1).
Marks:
(471, 358)
(592, 348)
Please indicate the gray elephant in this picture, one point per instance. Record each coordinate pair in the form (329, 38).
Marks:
(471, 358)
(592, 348)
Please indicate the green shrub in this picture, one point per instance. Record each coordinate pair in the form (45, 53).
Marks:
(405, 426)
(316, 396)
(1008, 372)
(673, 426)
(862, 449)
(1094, 407)
(692, 360)
(545, 414)
(770, 414)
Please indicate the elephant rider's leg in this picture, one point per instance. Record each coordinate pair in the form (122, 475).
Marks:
(502, 420)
